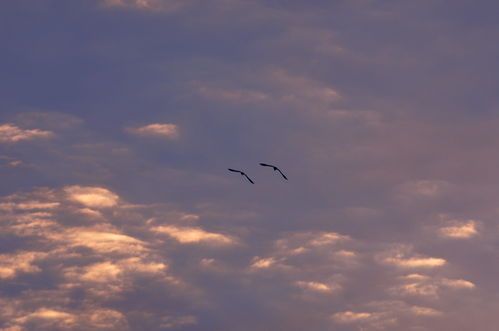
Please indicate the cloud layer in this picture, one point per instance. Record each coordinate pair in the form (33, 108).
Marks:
(117, 211)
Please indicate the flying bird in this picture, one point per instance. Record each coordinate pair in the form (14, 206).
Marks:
(275, 169)
(243, 174)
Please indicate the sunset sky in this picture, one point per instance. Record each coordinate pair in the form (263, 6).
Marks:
(119, 119)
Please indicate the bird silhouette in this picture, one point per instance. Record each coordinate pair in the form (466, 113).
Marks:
(275, 169)
(243, 174)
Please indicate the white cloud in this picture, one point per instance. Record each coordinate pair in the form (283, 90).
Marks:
(103, 272)
(415, 276)
(348, 317)
(95, 197)
(190, 235)
(100, 240)
(459, 230)
(301, 242)
(11, 134)
(428, 262)
(262, 263)
(165, 130)
(114, 274)
(457, 283)
(317, 286)
(400, 256)
(326, 239)
(49, 315)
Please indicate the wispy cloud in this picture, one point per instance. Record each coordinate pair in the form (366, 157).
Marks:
(422, 262)
(165, 130)
(96, 197)
(192, 235)
(459, 229)
(316, 286)
(10, 133)
(351, 317)
(154, 5)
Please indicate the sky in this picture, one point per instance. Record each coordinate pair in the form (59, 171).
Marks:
(120, 118)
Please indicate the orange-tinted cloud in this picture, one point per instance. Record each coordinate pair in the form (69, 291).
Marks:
(10, 133)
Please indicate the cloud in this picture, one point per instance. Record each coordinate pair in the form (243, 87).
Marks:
(429, 262)
(110, 279)
(28, 205)
(301, 242)
(153, 5)
(459, 230)
(9, 133)
(193, 235)
(95, 197)
(295, 250)
(423, 289)
(426, 286)
(90, 212)
(351, 317)
(457, 283)
(425, 311)
(232, 95)
(303, 87)
(278, 88)
(398, 256)
(386, 314)
(50, 318)
(106, 319)
(48, 314)
(168, 322)
(7, 161)
(21, 262)
(100, 240)
(165, 130)
(262, 263)
(89, 256)
(378, 133)
(48, 120)
(430, 189)
(316, 286)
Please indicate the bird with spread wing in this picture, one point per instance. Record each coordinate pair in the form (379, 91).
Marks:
(243, 174)
(275, 169)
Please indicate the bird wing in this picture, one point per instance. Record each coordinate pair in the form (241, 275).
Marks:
(235, 170)
(248, 178)
(266, 165)
(283, 175)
